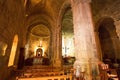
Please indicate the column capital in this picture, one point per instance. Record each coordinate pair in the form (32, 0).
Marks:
(80, 1)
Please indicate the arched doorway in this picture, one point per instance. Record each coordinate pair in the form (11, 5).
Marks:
(38, 46)
(109, 41)
(68, 37)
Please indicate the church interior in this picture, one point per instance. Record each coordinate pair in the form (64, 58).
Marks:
(59, 40)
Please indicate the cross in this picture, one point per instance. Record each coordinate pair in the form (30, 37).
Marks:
(66, 48)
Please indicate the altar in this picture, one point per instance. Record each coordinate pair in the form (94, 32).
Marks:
(37, 60)
(40, 58)
(41, 61)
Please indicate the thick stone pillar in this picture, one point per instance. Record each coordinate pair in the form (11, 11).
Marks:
(116, 42)
(85, 45)
(21, 58)
(99, 50)
(117, 39)
(58, 55)
(117, 25)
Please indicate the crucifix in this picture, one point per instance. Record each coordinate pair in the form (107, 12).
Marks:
(66, 48)
(64, 43)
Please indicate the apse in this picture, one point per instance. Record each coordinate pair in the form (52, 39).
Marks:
(39, 37)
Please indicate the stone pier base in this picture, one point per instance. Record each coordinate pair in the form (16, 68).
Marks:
(88, 67)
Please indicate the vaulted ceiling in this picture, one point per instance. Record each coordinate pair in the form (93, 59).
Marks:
(49, 11)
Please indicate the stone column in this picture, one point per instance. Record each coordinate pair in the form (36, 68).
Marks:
(57, 54)
(85, 45)
(116, 42)
(117, 25)
(117, 39)
(99, 50)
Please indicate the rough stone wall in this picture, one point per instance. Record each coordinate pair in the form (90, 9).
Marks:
(111, 10)
(11, 23)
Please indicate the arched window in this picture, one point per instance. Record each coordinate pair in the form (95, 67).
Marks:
(3, 47)
(13, 51)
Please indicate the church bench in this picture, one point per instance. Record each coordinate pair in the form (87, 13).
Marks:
(44, 74)
(38, 74)
(62, 77)
(41, 68)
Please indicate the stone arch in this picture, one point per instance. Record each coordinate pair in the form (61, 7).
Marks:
(66, 5)
(36, 20)
(108, 38)
(39, 19)
(43, 34)
(13, 51)
(65, 8)
(35, 25)
(102, 20)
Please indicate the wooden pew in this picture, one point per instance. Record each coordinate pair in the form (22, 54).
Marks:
(41, 68)
(38, 74)
(62, 77)
(42, 73)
